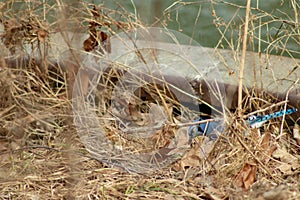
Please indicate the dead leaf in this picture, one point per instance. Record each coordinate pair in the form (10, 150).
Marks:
(285, 168)
(97, 37)
(163, 137)
(199, 151)
(214, 193)
(282, 155)
(265, 143)
(246, 176)
(42, 35)
(88, 44)
(267, 146)
(296, 133)
(191, 158)
(288, 162)
(181, 138)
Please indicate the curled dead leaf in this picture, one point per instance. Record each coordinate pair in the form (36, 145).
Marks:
(97, 39)
(246, 177)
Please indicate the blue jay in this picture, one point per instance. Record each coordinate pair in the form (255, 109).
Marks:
(259, 120)
(211, 129)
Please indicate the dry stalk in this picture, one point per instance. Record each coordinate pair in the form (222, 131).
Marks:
(285, 107)
(267, 108)
(241, 72)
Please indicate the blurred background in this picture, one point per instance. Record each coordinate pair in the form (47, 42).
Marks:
(274, 26)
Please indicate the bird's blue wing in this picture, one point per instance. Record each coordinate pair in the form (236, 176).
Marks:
(259, 120)
(209, 129)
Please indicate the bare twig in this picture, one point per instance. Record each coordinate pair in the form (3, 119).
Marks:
(285, 106)
(267, 108)
(241, 74)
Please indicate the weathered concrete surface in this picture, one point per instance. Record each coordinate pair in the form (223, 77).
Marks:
(274, 74)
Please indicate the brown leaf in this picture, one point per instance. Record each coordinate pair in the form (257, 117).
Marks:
(42, 35)
(88, 44)
(105, 41)
(267, 146)
(282, 155)
(191, 158)
(246, 176)
(285, 168)
(97, 38)
(288, 164)
(214, 193)
(181, 138)
(163, 137)
(265, 143)
(296, 133)
(199, 151)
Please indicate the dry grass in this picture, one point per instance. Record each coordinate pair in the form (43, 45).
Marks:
(42, 157)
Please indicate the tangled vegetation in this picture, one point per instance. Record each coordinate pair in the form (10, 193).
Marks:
(42, 157)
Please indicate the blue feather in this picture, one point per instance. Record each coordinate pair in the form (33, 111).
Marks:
(258, 121)
(209, 129)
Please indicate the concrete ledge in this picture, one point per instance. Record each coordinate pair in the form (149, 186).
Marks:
(273, 74)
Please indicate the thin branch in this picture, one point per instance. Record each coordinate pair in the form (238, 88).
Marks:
(267, 108)
(285, 106)
(241, 74)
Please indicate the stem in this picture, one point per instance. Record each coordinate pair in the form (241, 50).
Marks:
(241, 74)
